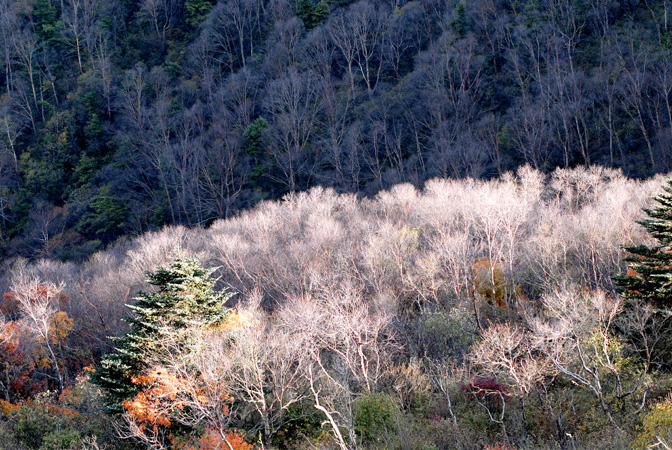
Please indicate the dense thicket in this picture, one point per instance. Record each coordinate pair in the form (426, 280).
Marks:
(123, 116)
(467, 315)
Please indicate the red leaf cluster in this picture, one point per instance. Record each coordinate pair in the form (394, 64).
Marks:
(486, 388)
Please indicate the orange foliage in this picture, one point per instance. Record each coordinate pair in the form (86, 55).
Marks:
(46, 404)
(631, 273)
(8, 333)
(212, 440)
(6, 407)
(152, 406)
(63, 411)
(166, 394)
(17, 364)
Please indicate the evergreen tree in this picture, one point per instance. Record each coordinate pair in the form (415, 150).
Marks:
(311, 14)
(649, 276)
(254, 135)
(185, 297)
(197, 10)
(320, 13)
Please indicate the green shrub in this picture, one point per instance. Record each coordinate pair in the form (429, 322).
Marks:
(376, 417)
(66, 439)
(303, 423)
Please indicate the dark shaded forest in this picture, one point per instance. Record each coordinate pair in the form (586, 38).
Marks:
(123, 116)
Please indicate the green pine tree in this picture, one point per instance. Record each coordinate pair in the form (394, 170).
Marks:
(45, 17)
(304, 9)
(311, 14)
(197, 10)
(254, 136)
(320, 13)
(649, 276)
(185, 297)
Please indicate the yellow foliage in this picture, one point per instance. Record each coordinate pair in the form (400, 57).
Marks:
(612, 345)
(44, 363)
(61, 326)
(236, 320)
(489, 281)
(656, 425)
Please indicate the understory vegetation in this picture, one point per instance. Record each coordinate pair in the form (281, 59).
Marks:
(469, 315)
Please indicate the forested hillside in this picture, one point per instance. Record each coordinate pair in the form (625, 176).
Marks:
(335, 225)
(471, 315)
(122, 116)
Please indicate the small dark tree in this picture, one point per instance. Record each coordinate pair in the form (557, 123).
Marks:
(197, 10)
(254, 135)
(185, 297)
(312, 14)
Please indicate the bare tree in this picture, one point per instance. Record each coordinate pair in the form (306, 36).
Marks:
(635, 63)
(161, 15)
(26, 47)
(39, 303)
(12, 126)
(80, 17)
(576, 337)
(294, 105)
(404, 36)
(366, 27)
(266, 363)
(101, 56)
(236, 28)
(346, 343)
(9, 21)
(46, 222)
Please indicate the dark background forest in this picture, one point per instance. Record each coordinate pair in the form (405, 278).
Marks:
(122, 116)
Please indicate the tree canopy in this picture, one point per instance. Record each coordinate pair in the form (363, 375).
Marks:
(184, 298)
